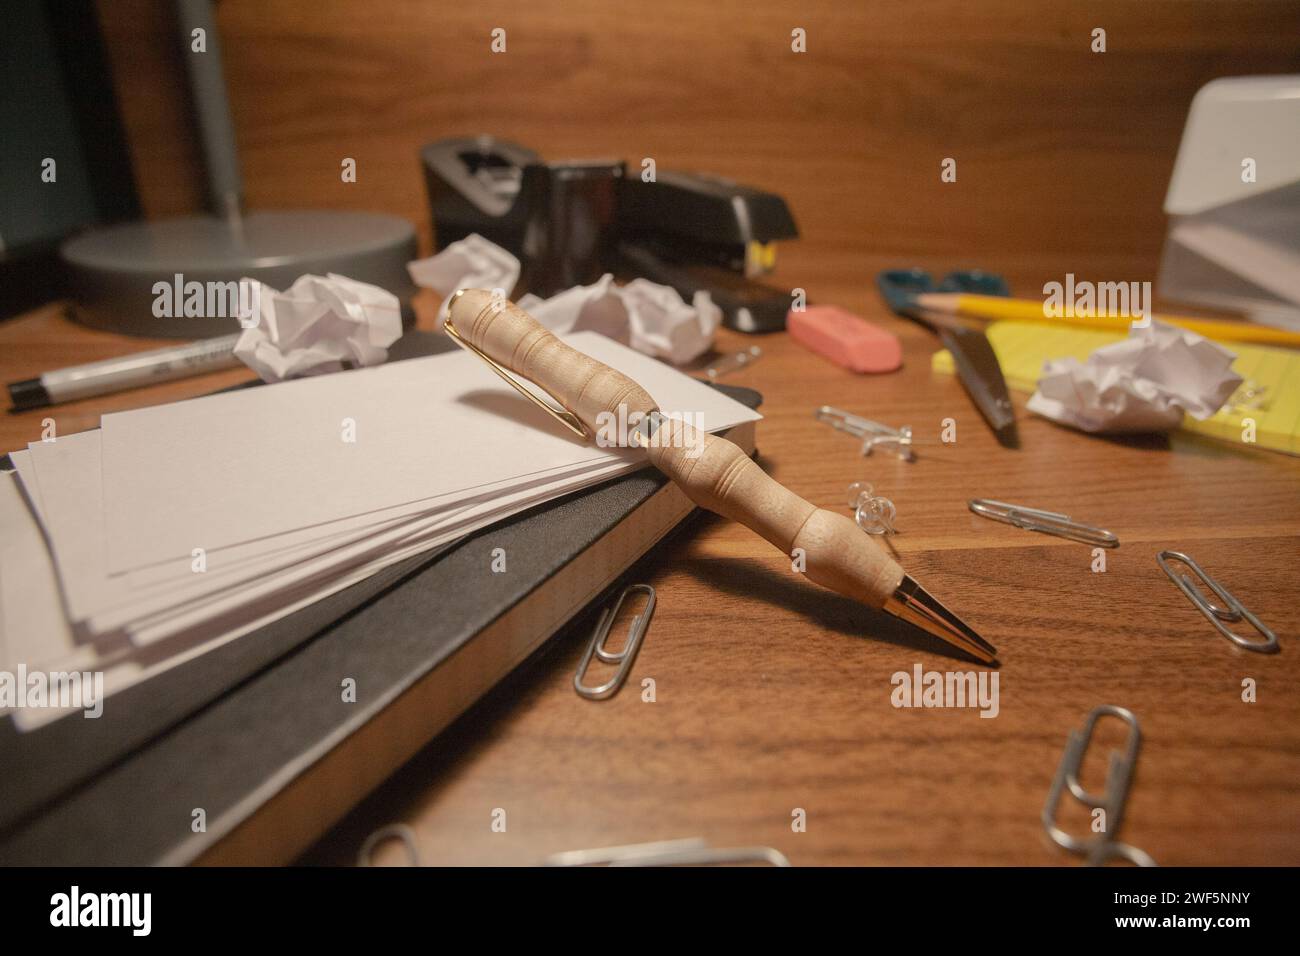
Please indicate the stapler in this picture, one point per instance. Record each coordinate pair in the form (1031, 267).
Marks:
(695, 231)
(569, 222)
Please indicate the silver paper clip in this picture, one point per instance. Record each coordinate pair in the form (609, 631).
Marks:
(1119, 778)
(733, 362)
(1048, 522)
(394, 831)
(1231, 610)
(689, 852)
(874, 434)
(623, 658)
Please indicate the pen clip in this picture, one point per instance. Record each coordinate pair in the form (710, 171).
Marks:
(556, 411)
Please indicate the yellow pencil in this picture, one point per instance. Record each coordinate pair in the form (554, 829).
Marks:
(1030, 310)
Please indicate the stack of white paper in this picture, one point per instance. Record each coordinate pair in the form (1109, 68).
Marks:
(175, 528)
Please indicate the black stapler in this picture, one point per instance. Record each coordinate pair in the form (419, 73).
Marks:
(569, 222)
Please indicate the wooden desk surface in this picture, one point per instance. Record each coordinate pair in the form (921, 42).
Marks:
(773, 694)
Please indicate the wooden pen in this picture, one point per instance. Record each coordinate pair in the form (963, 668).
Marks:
(714, 473)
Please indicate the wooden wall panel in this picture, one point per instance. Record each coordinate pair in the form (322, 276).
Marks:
(1058, 148)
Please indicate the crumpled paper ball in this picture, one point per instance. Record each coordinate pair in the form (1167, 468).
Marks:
(1143, 384)
(319, 324)
(665, 325)
(649, 317)
(469, 263)
(584, 308)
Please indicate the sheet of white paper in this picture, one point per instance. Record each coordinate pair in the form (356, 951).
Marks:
(220, 470)
(125, 670)
(219, 611)
(35, 628)
(69, 470)
(298, 545)
(161, 652)
(158, 654)
(1144, 383)
(22, 461)
(164, 650)
(73, 518)
(235, 603)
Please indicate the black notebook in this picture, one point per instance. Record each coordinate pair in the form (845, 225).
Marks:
(250, 752)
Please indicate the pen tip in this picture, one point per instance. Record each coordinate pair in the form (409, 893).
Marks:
(917, 606)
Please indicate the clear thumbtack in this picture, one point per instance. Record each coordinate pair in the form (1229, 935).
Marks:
(874, 514)
(873, 434)
(1250, 396)
(730, 363)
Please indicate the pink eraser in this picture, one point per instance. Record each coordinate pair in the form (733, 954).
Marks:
(845, 339)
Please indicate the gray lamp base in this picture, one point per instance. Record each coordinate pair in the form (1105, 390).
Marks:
(114, 271)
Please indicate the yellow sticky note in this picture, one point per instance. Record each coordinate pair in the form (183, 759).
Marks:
(1023, 347)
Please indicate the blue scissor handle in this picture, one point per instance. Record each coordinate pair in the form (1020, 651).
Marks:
(975, 282)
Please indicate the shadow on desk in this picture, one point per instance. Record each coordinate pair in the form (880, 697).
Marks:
(751, 581)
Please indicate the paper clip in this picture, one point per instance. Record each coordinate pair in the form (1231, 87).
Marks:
(623, 658)
(556, 411)
(394, 831)
(1048, 522)
(1231, 611)
(689, 852)
(1119, 778)
(731, 363)
(874, 434)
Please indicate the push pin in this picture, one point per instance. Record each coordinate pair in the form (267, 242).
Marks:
(733, 362)
(1250, 396)
(873, 513)
(873, 434)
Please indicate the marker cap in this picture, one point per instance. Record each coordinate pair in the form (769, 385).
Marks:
(29, 393)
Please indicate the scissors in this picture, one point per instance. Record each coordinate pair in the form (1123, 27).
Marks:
(977, 364)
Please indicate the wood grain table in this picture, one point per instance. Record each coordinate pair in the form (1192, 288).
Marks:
(774, 696)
